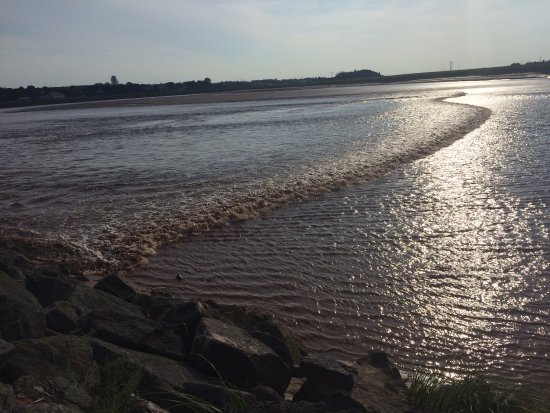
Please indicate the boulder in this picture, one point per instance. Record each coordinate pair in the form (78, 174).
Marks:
(381, 360)
(55, 370)
(144, 301)
(112, 319)
(7, 398)
(184, 315)
(20, 313)
(161, 372)
(379, 385)
(54, 389)
(224, 349)
(55, 356)
(312, 392)
(160, 302)
(220, 396)
(327, 371)
(270, 333)
(135, 332)
(88, 300)
(265, 328)
(50, 284)
(116, 286)
(336, 400)
(5, 350)
(376, 387)
(341, 402)
(14, 264)
(62, 317)
(168, 382)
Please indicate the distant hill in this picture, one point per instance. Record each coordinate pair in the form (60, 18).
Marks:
(357, 74)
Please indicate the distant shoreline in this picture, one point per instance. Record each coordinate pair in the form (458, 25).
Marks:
(310, 91)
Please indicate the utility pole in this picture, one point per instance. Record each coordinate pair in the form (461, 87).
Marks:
(451, 66)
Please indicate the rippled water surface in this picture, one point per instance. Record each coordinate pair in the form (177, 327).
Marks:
(390, 218)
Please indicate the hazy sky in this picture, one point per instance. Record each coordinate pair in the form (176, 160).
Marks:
(63, 42)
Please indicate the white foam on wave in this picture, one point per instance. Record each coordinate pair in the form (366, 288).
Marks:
(125, 240)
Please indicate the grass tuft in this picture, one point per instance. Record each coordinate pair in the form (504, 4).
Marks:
(434, 393)
(120, 380)
(234, 402)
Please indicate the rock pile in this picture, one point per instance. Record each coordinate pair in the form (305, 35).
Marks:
(69, 348)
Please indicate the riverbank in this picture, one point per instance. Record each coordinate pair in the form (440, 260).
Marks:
(66, 347)
(113, 91)
(250, 95)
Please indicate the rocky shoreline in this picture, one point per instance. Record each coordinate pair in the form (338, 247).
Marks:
(66, 347)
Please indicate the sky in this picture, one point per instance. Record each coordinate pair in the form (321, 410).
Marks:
(72, 42)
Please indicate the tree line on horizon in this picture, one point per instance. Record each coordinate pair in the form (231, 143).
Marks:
(115, 89)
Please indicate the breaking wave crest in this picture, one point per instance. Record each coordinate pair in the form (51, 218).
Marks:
(124, 243)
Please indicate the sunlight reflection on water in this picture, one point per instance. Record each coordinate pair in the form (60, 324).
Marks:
(444, 263)
(439, 258)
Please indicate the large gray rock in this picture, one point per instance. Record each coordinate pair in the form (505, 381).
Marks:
(116, 286)
(336, 399)
(5, 350)
(144, 301)
(327, 371)
(62, 317)
(50, 284)
(7, 398)
(168, 382)
(224, 349)
(171, 308)
(57, 369)
(20, 313)
(219, 395)
(183, 315)
(55, 356)
(53, 389)
(265, 328)
(14, 264)
(135, 332)
(88, 300)
(377, 387)
(381, 360)
(112, 319)
(272, 334)
(164, 372)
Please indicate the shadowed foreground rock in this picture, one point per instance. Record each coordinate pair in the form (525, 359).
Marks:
(236, 355)
(116, 286)
(68, 348)
(62, 317)
(327, 371)
(20, 313)
(6, 349)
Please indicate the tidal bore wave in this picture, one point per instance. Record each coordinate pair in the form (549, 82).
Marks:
(124, 244)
